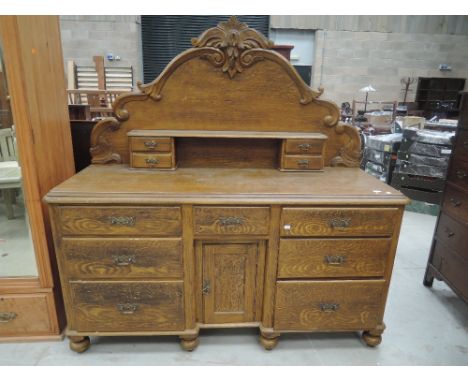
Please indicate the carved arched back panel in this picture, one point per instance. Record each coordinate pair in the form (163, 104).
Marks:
(230, 80)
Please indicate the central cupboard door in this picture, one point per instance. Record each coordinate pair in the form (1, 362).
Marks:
(232, 279)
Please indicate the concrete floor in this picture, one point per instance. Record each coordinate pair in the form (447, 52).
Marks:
(424, 327)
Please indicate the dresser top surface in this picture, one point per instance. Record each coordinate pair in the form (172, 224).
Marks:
(120, 184)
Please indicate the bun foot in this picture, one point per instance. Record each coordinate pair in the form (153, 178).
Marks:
(79, 344)
(189, 343)
(373, 337)
(268, 342)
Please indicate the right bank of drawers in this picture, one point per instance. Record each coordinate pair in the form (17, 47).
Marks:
(331, 267)
(130, 277)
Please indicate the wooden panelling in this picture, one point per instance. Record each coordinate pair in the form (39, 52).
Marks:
(157, 144)
(338, 221)
(230, 281)
(302, 258)
(328, 305)
(122, 257)
(231, 220)
(120, 221)
(25, 315)
(129, 306)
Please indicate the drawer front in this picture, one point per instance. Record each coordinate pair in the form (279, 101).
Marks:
(459, 174)
(461, 146)
(328, 305)
(22, 315)
(456, 203)
(302, 162)
(452, 266)
(127, 306)
(338, 221)
(115, 257)
(151, 144)
(143, 160)
(453, 234)
(304, 146)
(231, 220)
(120, 221)
(302, 258)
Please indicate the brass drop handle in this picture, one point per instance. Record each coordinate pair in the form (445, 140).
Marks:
(340, 222)
(206, 287)
(150, 144)
(334, 260)
(122, 220)
(231, 220)
(455, 202)
(304, 146)
(6, 317)
(329, 306)
(122, 260)
(152, 161)
(127, 308)
(461, 174)
(303, 162)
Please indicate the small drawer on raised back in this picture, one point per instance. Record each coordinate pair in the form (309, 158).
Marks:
(304, 146)
(302, 162)
(147, 160)
(231, 220)
(153, 144)
(127, 306)
(310, 258)
(328, 305)
(122, 257)
(155, 221)
(338, 221)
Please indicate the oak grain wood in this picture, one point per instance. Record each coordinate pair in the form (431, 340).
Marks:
(129, 306)
(332, 258)
(231, 220)
(338, 221)
(111, 258)
(119, 220)
(308, 305)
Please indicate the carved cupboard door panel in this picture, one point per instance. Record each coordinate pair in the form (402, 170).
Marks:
(232, 279)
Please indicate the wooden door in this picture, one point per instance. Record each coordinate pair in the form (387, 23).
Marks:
(232, 277)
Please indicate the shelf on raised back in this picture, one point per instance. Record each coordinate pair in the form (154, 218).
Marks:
(300, 151)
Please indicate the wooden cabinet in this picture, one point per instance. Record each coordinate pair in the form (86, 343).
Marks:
(31, 307)
(448, 259)
(225, 238)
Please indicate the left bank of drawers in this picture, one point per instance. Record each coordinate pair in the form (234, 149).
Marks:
(121, 267)
(331, 267)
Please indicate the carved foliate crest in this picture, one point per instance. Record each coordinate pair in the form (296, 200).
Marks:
(232, 38)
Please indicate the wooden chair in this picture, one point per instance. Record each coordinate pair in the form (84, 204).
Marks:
(10, 172)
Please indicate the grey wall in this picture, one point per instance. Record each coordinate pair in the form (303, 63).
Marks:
(86, 36)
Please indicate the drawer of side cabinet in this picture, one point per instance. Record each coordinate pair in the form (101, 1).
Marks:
(121, 257)
(147, 160)
(231, 220)
(461, 146)
(127, 306)
(338, 221)
(456, 203)
(24, 314)
(120, 220)
(459, 174)
(453, 234)
(328, 305)
(452, 266)
(302, 258)
(151, 144)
